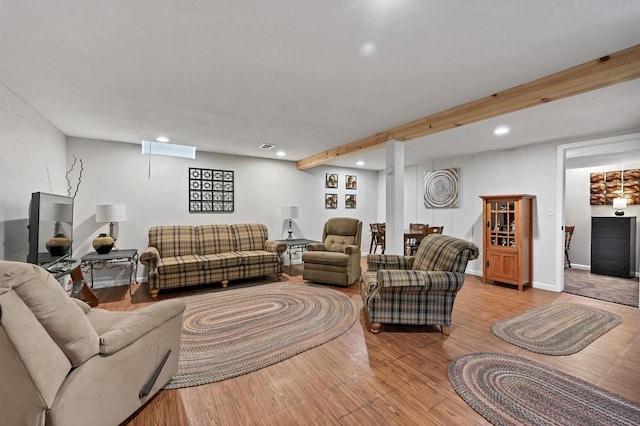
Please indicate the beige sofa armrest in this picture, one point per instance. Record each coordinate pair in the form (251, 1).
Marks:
(376, 262)
(352, 249)
(275, 246)
(315, 247)
(150, 257)
(141, 322)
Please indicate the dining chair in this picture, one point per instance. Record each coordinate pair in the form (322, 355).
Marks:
(568, 233)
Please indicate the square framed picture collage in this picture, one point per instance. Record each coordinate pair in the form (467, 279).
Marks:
(332, 181)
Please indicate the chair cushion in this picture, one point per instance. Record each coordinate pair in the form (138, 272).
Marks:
(444, 253)
(326, 258)
(256, 257)
(220, 260)
(337, 243)
(63, 320)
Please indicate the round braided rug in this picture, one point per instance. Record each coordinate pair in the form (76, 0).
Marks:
(509, 390)
(233, 332)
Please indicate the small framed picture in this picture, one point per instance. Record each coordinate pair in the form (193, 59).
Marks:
(331, 180)
(351, 182)
(330, 201)
(350, 201)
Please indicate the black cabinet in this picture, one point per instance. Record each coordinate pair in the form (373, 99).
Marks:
(613, 246)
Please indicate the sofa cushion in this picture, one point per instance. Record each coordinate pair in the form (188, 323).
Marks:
(63, 320)
(179, 264)
(249, 236)
(174, 240)
(220, 260)
(214, 239)
(256, 257)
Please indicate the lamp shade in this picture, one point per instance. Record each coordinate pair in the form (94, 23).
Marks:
(290, 212)
(111, 213)
(619, 203)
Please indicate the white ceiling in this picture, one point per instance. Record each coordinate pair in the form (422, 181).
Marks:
(227, 76)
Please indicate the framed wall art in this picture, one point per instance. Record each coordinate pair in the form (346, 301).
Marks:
(441, 188)
(350, 201)
(331, 180)
(604, 187)
(211, 191)
(330, 201)
(351, 182)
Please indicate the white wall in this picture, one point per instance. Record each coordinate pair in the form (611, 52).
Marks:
(118, 173)
(578, 211)
(527, 170)
(32, 159)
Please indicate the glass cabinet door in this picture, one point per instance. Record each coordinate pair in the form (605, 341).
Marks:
(502, 224)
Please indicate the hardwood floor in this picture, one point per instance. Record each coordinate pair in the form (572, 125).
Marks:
(398, 377)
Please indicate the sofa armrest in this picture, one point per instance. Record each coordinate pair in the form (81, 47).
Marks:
(315, 247)
(426, 280)
(139, 323)
(376, 262)
(150, 257)
(352, 249)
(275, 246)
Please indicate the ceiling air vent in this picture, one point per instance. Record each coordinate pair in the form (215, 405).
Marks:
(266, 146)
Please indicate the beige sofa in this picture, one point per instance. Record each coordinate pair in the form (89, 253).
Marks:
(180, 256)
(64, 363)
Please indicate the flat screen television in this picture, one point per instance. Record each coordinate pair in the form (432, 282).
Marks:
(50, 229)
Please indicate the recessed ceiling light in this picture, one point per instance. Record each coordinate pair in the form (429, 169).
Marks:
(502, 130)
(162, 139)
(360, 163)
(281, 153)
(368, 49)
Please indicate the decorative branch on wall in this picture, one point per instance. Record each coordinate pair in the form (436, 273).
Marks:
(441, 188)
(605, 186)
(211, 191)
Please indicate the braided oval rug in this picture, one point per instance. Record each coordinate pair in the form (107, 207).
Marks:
(229, 333)
(509, 390)
(556, 328)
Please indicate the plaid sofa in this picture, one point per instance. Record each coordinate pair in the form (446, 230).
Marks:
(416, 290)
(180, 256)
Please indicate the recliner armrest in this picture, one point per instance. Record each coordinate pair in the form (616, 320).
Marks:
(141, 322)
(376, 262)
(427, 280)
(351, 249)
(150, 257)
(315, 247)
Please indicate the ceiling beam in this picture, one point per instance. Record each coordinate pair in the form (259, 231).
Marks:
(602, 72)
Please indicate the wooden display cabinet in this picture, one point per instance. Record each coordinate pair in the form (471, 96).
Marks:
(507, 239)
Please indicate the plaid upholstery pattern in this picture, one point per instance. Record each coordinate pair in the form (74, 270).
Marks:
(395, 291)
(215, 239)
(173, 240)
(249, 236)
(180, 256)
(439, 252)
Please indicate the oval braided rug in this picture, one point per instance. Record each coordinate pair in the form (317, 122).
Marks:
(233, 332)
(509, 390)
(556, 328)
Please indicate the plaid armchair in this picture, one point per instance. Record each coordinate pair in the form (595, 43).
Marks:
(416, 290)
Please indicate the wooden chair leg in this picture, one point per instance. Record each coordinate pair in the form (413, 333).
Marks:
(445, 329)
(224, 283)
(375, 327)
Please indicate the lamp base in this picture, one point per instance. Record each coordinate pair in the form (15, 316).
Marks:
(619, 212)
(290, 231)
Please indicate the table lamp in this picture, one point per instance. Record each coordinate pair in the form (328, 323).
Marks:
(111, 213)
(619, 204)
(290, 212)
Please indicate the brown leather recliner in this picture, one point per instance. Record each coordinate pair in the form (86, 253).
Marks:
(64, 363)
(336, 260)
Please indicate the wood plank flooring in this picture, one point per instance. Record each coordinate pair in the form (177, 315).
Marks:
(398, 377)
